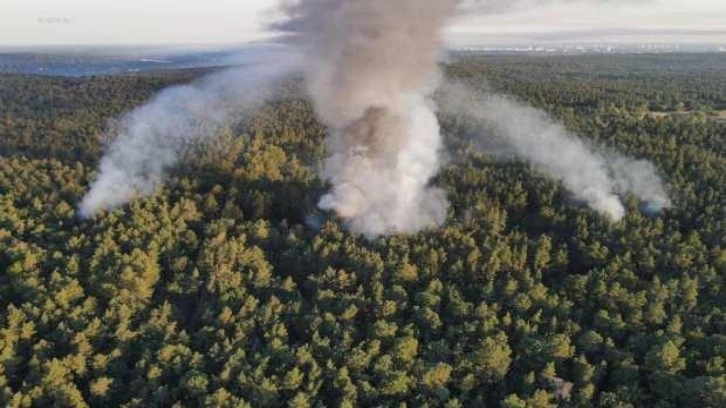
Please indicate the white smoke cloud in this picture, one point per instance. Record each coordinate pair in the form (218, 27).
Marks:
(154, 137)
(639, 177)
(370, 69)
(594, 177)
(385, 191)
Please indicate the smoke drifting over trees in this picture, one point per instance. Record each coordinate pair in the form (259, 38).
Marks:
(153, 137)
(594, 177)
(371, 68)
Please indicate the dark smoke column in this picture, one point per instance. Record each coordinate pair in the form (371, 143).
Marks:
(370, 68)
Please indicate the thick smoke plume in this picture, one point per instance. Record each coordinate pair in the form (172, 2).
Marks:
(371, 67)
(153, 137)
(594, 177)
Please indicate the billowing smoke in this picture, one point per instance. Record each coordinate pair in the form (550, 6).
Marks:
(639, 177)
(370, 68)
(594, 177)
(153, 138)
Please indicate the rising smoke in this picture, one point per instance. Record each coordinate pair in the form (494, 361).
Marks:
(595, 177)
(370, 67)
(154, 137)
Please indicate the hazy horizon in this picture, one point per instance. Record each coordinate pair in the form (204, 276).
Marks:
(225, 23)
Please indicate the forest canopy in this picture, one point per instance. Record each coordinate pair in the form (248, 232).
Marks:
(229, 288)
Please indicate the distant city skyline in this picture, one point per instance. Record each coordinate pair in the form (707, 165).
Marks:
(229, 22)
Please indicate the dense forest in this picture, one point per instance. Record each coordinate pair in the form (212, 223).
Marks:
(229, 288)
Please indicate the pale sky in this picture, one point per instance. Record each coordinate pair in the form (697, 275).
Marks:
(188, 22)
